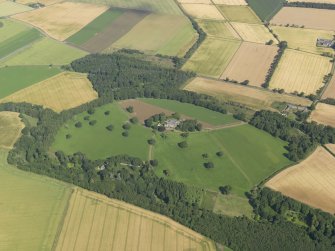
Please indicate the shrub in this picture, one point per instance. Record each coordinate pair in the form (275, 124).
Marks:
(219, 154)
(110, 127)
(154, 162)
(125, 134)
(130, 109)
(68, 136)
(209, 165)
(184, 134)
(134, 120)
(91, 111)
(78, 124)
(92, 122)
(126, 126)
(87, 118)
(151, 141)
(205, 155)
(225, 189)
(183, 144)
(107, 113)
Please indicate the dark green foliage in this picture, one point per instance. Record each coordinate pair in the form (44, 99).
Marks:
(225, 189)
(327, 6)
(329, 101)
(133, 120)
(219, 154)
(92, 122)
(78, 124)
(151, 141)
(130, 109)
(183, 144)
(110, 127)
(209, 165)
(125, 134)
(189, 126)
(68, 136)
(154, 162)
(87, 118)
(91, 111)
(107, 113)
(205, 155)
(126, 126)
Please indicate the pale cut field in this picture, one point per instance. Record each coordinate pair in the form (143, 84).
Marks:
(252, 97)
(253, 33)
(310, 18)
(212, 57)
(311, 182)
(330, 91)
(230, 2)
(331, 147)
(251, 62)
(203, 11)
(8, 8)
(195, 1)
(95, 222)
(303, 39)
(301, 72)
(62, 20)
(45, 2)
(240, 14)
(324, 114)
(220, 29)
(61, 92)
(10, 129)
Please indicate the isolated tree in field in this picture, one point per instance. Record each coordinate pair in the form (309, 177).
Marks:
(166, 172)
(107, 113)
(151, 141)
(209, 165)
(245, 82)
(92, 122)
(126, 126)
(154, 162)
(110, 127)
(225, 189)
(68, 136)
(219, 154)
(91, 111)
(125, 134)
(78, 125)
(87, 118)
(130, 109)
(183, 144)
(205, 155)
(134, 120)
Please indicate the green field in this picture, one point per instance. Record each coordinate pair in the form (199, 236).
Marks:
(159, 6)
(250, 155)
(96, 26)
(97, 142)
(8, 8)
(10, 29)
(15, 78)
(164, 34)
(212, 57)
(196, 112)
(242, 14)
(219, 29)
(31, 209)
(266, 9)
(45, 52)
(18, 41)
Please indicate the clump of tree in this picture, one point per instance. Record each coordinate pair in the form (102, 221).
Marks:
(183, 144)
(130, 109)
(209, 165)
(92, 122)
(189, 126)
(154, 162)
(91, 111)
(225, 189)
(78, 124)
(126, 126)
(133, 120)
(110, 127)
(315, 5)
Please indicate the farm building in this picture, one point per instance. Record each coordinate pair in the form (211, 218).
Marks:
(320, 42)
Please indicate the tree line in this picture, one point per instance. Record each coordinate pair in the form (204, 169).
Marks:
(327, 6)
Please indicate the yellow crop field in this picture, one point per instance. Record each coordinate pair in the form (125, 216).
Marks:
(300, 72)
(253, 32)
(61, 92)
(241, 14)
(230, 2)
(45, 2)
(195, 1)
(330, 91)
(203, 11)
(253, 97)
(10, 129)
(311, 181)
(95, 222)
(62, 20)
(8, 8)
(303, 39)
(324, 114)
(220, 29)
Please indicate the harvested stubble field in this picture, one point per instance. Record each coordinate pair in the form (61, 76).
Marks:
(324, 114)
(45, 52)
(10, 129)
(303, 39)
(162, 34)
(195, 1)
(310, 18)
(301, 72)
(8, 8)
(62, 20)
(242, 14)
(311, 182)
(44, 2)
(266, 9)
(230, 2)
(253, 32)
(203, 11)
(212, 57)
(61, 92)
(330, 91)
(220, 29)
(95, 222)
(252, 97)
(251, 62)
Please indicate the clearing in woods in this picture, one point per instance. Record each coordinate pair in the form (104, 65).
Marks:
(303, 39)
(253, 97)
(266, 9)
(242, 14)
(330, 91)
(324, 114)
(62, 20)
(162, 34)
(61, 92)
(44, 210)
(220, 29)
(207, 61)
(45, 52)
(310, 18)
(311, 181)
(253, 32)
(300, 72)
(251, 62)
(8, 8)
(15, 78)
(96, 222)
(203, 11)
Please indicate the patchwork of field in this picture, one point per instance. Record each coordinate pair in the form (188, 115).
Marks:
(203, 11)
(10, 129)
(300, 72)
(220, 29)
(330, 91)
(45, 52)
(252, 97)
(242, 14)
(303, 39)
(61, 92)
(15, 78)
(95, 222)
(310, 18)
(62, 20)
(266, 9)
(324, 114)
(311, 182)
(8, 8)
(212, 57)
(230, 2)
(163, 34)
(253, 32)
(251, 62)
